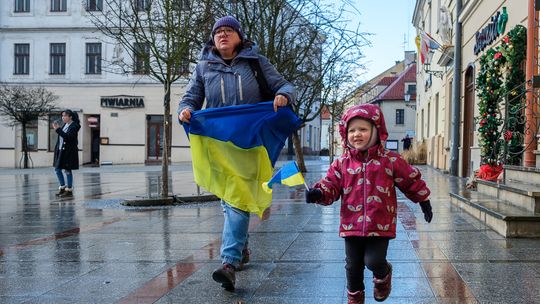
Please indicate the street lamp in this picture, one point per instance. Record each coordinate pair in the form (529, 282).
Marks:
(408, 104)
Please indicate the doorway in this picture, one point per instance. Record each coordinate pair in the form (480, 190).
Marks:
(468, 122)
(91, 139)
(154, 139)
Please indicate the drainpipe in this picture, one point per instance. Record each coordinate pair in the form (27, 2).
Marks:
(529, 158)
(456, 95)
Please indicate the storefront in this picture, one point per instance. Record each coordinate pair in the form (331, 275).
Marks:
(484, 26)
(119, 125)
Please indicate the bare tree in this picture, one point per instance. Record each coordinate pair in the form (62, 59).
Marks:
(24, 105)
(161, 38)
(311, 44)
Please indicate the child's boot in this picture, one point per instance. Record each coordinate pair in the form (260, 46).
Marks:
(225, 275)
(356, 297)
(383, 286)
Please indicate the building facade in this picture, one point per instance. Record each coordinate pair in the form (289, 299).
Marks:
(436, 75)
(53, 44)
(389, 90)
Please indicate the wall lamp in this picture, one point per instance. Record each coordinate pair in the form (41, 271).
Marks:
(408, 103)
(433, 72)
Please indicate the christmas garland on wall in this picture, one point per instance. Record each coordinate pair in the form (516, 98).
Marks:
(501, 78)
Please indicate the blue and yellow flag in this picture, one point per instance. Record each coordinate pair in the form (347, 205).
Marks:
(288, 175)
(234, 150)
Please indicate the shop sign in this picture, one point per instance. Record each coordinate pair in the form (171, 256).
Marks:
(494, 29)
(122, 101)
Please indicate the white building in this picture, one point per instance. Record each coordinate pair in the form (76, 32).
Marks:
(53, 44)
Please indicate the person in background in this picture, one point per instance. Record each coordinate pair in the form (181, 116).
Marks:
(225, 76)
(406, 142)
(365, 177)
(66, 152)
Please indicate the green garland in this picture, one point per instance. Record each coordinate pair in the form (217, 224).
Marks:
(501, 76)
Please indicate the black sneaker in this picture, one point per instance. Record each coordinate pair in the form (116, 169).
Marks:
(225, 275)
(60, 191)
(67, 193)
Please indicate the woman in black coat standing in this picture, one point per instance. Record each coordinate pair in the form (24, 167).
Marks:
(66, 151)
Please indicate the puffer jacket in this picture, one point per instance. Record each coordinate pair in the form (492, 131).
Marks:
(222, 84)
(366, 183)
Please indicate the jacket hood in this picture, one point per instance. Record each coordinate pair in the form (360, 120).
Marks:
(250, 51)
(369, 112)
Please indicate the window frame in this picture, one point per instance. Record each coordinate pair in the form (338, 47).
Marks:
(142, 5)
(57, 59)
(32, 128)
(93, 59)
(21, 6)
(21, 57)
(52, 135)
(94, 5)
(400, 116)
(392, 145)
(58, 6)
(141, 65)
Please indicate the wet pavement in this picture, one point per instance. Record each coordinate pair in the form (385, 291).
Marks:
(89, 249)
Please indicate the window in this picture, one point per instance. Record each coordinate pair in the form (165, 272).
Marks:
(94, 5)
(22, 59)
(181, 5)
(58, 5)
(142, 59)
(32, 135)
(309, 135)
(392, 145)
(400, 116)
(53, 136)
(58, 58)
(93, 58)
(411, 89)
(142, 5)
(22, 6)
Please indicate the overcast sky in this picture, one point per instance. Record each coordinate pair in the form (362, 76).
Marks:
(390, 23)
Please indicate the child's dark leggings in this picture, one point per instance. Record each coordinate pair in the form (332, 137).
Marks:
(363, 252)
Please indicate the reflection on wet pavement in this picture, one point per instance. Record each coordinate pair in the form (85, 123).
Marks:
(73, 251)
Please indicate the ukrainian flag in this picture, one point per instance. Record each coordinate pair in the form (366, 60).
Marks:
(288, 175)
(234, 150)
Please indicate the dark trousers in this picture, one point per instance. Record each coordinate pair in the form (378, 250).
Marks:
(364, 252)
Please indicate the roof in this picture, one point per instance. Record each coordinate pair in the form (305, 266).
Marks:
(386, 81)
(396, 90)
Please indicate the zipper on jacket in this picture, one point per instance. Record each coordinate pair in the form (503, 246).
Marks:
(240, 87)
(222, 90)
(365, 198)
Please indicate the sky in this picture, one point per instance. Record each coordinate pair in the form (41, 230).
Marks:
(390, 23)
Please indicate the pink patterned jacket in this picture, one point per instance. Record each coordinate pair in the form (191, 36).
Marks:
(366, 184)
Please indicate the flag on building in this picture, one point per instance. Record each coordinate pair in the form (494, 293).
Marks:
(429, 41)
(427, 45)
(234, 150)
(288, 175)
(418, 42)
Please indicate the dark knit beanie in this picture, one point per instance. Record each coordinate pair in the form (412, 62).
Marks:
(231, 22)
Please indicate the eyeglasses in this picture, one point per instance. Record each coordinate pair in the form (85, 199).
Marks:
(226, 30)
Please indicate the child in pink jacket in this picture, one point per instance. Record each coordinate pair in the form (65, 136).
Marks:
(365, 177)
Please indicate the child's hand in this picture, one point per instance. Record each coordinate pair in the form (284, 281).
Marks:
(313, 195)
(426, 209)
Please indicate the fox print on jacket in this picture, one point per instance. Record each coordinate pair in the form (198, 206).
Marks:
(366, 181)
